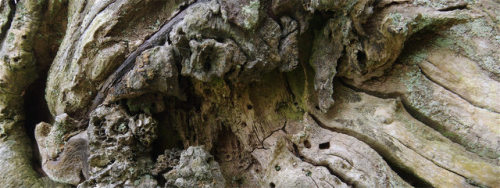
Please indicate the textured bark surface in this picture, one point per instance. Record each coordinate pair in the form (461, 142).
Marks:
(250, 93)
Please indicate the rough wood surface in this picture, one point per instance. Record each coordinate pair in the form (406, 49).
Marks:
(250, 93)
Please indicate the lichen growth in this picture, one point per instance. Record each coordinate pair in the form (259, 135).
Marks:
(399, 23)
(480, 28)
(251, 12)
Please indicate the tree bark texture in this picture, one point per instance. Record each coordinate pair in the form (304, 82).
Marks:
(250, 93)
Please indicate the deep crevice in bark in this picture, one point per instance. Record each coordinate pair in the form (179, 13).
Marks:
(296, 152)
(45, 49)
(195, 103)
(128, 64)
(36, 111)
(416, 42)
(403, 172)
(454, 93)
(436, 126)
(458, 6)
(425, 120)
(168, 136)
(471, 182)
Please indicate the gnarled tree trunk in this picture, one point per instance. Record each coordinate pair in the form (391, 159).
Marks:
(250, 93)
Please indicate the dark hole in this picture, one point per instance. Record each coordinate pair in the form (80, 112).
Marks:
(239, 181)
(207, 91)
(272, 185)
(361, 61)
(317, 107)
(16, 59)
(23, 36)
(249, 107)
(307, 144)
(325, 145)
(206, 64)
(161, 180)
(244, 124)
(163, 40)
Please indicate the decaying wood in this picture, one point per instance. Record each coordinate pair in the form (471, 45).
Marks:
(250, 93)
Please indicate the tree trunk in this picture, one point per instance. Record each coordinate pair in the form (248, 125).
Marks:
(250, 93)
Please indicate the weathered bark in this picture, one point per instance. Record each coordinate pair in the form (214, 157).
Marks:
(250, 93)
